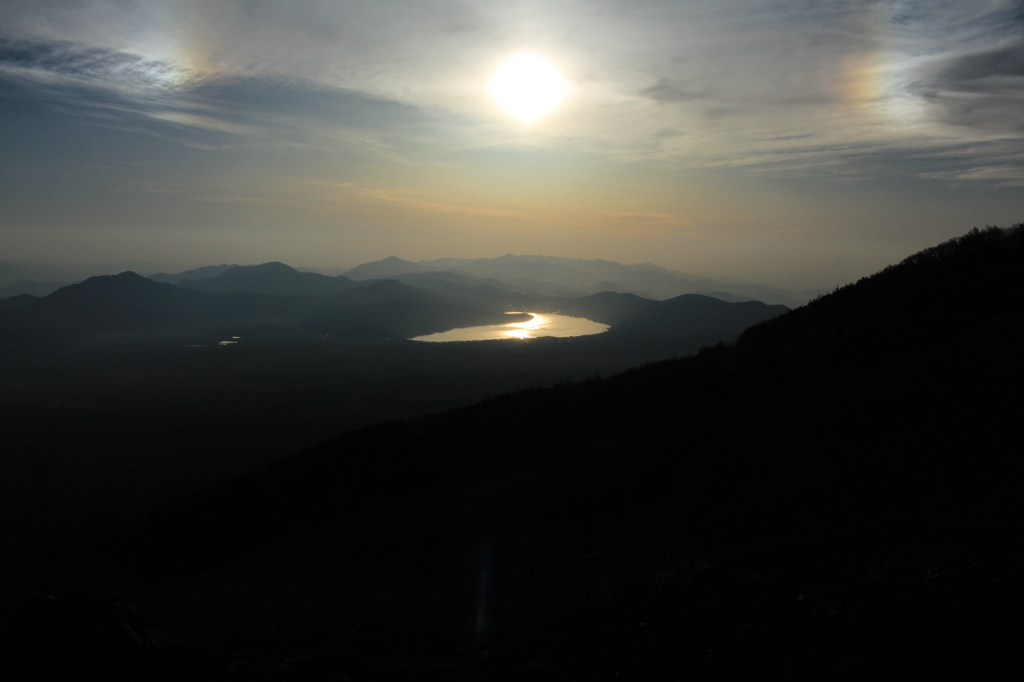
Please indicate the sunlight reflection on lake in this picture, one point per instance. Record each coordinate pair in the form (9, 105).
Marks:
(542, 324)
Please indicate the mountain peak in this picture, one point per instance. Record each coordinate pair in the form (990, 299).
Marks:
(386, 267)
(120, 280)
(273, 278)
(272, 266)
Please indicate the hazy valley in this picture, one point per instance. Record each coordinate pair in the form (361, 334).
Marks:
(244, 452)
(230, 367)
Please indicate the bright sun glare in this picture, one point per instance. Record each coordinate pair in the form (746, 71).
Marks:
(528, 87)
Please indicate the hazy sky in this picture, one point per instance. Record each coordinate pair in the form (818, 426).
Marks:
(800, 143)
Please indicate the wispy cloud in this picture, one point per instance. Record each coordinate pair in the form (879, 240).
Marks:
(739, 83)
(415, 203)
(204, 122)
(65, 63)
(710, 117)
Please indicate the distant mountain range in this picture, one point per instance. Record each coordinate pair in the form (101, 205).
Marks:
(269, 278)
(421, 303)
(552, 276)
(387, 268)
(131, 302)
(204, 272)
(530, 275)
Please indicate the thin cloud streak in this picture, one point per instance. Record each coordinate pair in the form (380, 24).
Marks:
(346, 194)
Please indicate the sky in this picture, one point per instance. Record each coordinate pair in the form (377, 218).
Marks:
(797, 143)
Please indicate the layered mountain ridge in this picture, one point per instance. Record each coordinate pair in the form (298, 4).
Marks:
(420, 304)
(534, 275)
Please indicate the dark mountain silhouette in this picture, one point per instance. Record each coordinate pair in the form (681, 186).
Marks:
(726, 296)
(674, 327)
(370, 293)
(205, 272)
(131, 302)
(689, 322)
(18, 301)
(389, 309)
(106, 302)
(269, 278)
(648, 330)
(573, 277)
(785, 435)
(29, 287)
(539, 287)
(386, 268)
(404, 317)
(615, 287)
(553, 276)
(384, 309)
(424, 280)
(454, 285)
(504, 286)
(607, 307)
(934, 307)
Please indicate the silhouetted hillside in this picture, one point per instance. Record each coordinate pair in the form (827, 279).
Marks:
(607, 307)
(552, 276)
(269, 278)
(29, 287)
(403, 318)
(725, 296)
(675, 327)
(937, 306)
(723, 448)
(549, 276)
(373, 292)
(109, 302)
(705, 317)
(205, 272)
(454, 285)
(377, 309)
(131, 302)
(573, 274)
(385, 269)
(18, 301)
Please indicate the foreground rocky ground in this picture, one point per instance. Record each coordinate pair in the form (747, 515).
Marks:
(912, 606)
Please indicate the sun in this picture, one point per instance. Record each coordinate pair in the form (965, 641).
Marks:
(528, 87)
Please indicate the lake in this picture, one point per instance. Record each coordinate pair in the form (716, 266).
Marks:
(542, 324)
